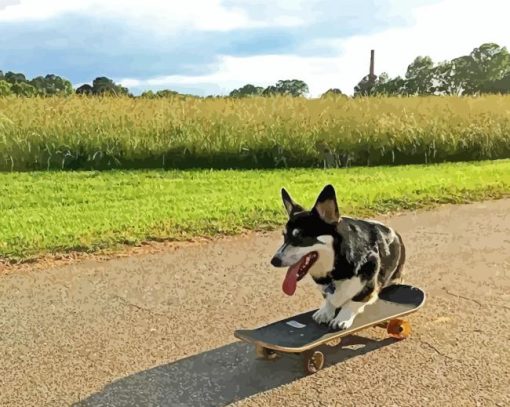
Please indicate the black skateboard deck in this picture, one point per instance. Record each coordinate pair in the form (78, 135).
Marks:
(300, 333)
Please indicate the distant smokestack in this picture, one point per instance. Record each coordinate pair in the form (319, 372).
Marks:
(371, 75)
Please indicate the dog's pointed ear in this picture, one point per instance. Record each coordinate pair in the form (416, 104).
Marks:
(289, 204)
(326, 206)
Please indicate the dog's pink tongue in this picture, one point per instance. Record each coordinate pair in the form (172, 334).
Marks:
(290, 282)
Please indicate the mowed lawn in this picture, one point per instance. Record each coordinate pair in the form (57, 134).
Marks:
(48, 212)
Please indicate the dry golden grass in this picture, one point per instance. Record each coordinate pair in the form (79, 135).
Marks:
(82, 133)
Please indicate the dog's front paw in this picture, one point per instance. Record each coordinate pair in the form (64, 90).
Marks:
(343, 320)
(324, 314)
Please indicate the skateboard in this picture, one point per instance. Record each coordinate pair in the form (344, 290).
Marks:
(300, 334)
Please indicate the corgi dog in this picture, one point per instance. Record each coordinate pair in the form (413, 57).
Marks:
(349, 259)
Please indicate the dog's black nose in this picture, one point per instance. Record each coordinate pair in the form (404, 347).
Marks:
(276, 261)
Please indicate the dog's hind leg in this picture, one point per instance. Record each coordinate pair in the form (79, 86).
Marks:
(398, 274)
(392, 264)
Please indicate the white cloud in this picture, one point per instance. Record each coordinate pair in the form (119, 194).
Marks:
(260, 70)
(159, 15)
(445, 30)
(38, 10)
(5, 3)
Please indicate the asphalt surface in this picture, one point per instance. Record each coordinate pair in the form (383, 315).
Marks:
(157, 329)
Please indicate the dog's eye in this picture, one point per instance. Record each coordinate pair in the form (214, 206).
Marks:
(296, 232)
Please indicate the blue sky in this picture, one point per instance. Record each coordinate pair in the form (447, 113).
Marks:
(213, 46)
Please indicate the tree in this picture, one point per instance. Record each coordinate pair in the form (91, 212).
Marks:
(292, 87)
(499, 86)
(246, 91)
(51, 85)
(148, 94)
(485, 70)
(333, 92)
(165, 93)
(419, 77)
(390, 87)
(270, 91)
(23, 89)
(479, 72)
(447, 80)
(5, 88)
(105, 86)
(85, 89)
(288, 87)
(484, 66)
(13, 77)
(365, 87)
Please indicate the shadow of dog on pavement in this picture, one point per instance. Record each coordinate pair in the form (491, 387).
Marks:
(218, 377)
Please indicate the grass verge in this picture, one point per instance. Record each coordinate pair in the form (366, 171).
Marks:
(48, 212)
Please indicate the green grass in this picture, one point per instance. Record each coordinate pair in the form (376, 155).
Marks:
(125, 133)
(45, 212)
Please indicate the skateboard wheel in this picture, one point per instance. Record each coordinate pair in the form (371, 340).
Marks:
(265, 353)
(314, 361)
(398, 329)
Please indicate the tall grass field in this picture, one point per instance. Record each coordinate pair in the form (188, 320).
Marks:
(130, 133)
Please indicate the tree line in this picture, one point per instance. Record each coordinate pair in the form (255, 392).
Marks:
(18, 84)
(485, 70)
(12, 83)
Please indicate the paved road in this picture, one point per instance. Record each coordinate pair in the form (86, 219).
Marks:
(156, 329)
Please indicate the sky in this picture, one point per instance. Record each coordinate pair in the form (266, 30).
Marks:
(208, 47)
